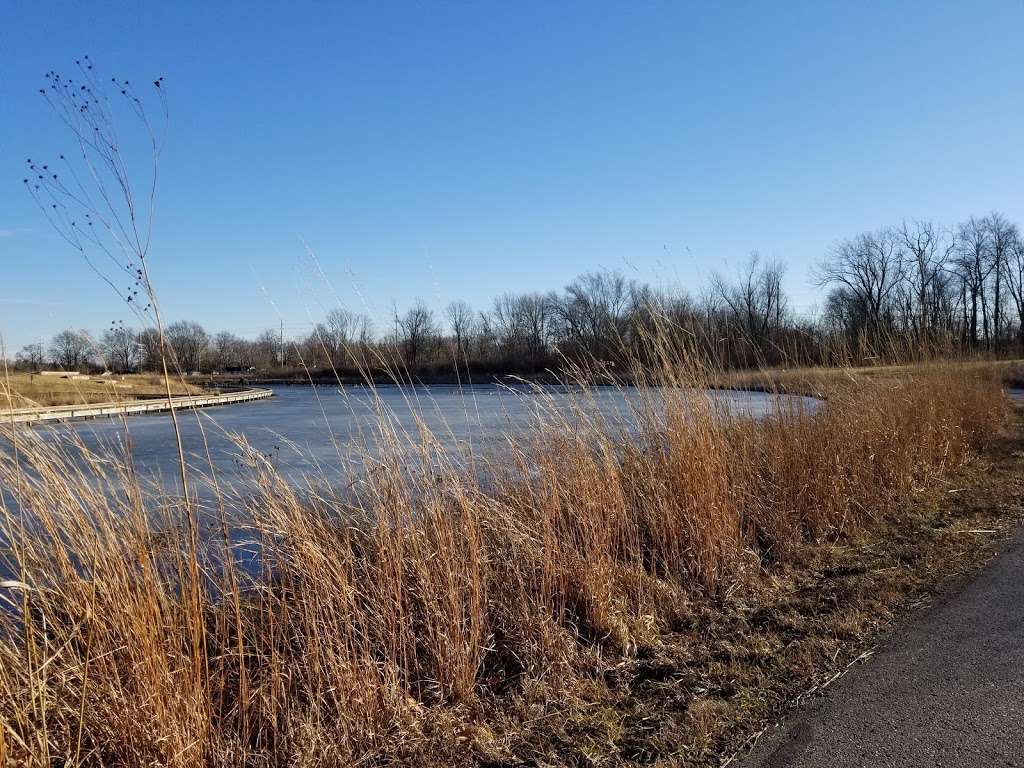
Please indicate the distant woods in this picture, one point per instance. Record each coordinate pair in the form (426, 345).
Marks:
(911, 291)
(933, 288)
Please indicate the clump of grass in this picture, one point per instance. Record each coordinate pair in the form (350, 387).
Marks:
(446, 596)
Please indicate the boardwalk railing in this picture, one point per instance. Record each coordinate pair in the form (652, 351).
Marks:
(98, 410)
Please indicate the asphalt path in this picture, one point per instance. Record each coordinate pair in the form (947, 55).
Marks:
(945, 690)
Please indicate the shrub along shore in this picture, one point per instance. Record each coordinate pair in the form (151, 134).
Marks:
(607, 590)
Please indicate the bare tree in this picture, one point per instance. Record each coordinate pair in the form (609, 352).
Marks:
(336, 334)
(868, 271)
(227, 350)
(486, 336)
(70, 350)
(417, 331)
(973, 266)
(32, 356)
(537, 311)
(1015, 285)
(189, 342)
(461, 319)
(594, 312)
(926, 251)
(120, 346)
(1002, 239)
(507, 323)
(150, 349)
(362, 338)
(267, 352)
(340, 340)
(756, 301)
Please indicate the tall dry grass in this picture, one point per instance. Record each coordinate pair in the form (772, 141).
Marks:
(26, 390)
(443, 591)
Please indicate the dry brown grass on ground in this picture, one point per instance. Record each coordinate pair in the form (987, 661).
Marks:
(818, 381)
(27, 390)
(615, 592)
(737, 662)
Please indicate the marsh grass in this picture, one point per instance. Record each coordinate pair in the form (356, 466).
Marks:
(25, 390)
(445, 597)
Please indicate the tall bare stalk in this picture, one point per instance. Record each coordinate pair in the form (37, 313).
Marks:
(94, 206)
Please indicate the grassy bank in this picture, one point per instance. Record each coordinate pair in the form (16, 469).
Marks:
(607, 591)
(818, 381)
(28, 390)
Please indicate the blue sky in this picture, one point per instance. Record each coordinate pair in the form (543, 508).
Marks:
(458, 150)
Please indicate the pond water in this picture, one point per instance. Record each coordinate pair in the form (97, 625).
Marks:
(306, 429)
(313, 436)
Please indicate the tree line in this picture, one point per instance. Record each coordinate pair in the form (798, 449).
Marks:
(907, 291)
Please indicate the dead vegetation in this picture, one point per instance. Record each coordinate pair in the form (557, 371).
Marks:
(817, 381)
(609, 591)
(29, 390)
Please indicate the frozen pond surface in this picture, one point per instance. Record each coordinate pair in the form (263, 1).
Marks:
(307, 429)
(316, 434)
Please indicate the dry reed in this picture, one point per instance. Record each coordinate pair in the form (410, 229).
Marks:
(399, 621)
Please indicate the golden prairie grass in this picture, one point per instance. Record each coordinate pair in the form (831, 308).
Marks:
(817, 381)
(27, 390)
(447, 595)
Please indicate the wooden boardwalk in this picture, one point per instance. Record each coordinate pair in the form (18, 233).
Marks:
(131, 407)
